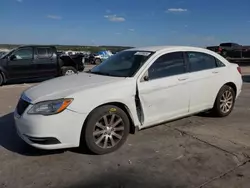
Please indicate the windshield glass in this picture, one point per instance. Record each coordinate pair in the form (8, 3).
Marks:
(122, 64)
(7, 53)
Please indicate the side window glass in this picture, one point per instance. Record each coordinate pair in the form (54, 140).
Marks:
(219, 63)
(43, 53)
(24, 53)
(200, 61)
(167, 65)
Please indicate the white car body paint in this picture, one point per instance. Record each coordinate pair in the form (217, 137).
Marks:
(162, 99)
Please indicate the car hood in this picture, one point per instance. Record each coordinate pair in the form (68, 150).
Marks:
(66, 85)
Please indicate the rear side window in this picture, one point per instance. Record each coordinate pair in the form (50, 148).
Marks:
(43, 52)
(200, 61)
(219, 63)
(226, 44)
(167, 65)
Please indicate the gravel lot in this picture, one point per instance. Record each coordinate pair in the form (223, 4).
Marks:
(199, 151)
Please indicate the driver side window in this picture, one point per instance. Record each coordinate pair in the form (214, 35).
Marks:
(23, 53)
(169, 64)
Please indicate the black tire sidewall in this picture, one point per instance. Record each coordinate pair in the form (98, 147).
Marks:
(217, 111)
(1, 79)
(89, 128)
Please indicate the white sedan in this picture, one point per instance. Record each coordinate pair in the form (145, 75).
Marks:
(132, 90)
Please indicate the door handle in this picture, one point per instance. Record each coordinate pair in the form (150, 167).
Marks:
(215, 72)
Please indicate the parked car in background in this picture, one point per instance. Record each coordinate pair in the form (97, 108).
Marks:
(97, 58)
(132, 90)
(232, 51)
(29, 62)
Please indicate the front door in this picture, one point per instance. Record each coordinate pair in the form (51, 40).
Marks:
(20, 64)
(164, 92)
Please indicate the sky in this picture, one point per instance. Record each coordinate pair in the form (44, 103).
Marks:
(125, 22)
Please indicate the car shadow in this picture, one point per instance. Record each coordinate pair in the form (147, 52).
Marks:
(12, 142)
(246, 78)
(126, 177)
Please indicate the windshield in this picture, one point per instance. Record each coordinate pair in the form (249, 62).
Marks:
(122, 64)
(7, 53)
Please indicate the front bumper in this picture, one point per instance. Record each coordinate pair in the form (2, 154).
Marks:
(58, 131)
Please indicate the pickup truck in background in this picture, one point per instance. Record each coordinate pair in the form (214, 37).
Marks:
(233, 52)
(32, 62)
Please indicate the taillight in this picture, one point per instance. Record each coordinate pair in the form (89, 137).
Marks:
(220, 49)
(239, 69)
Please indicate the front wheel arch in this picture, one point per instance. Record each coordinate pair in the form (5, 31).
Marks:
(87, 142)
(120, 105)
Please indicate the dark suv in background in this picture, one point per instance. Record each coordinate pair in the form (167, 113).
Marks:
(30, 62)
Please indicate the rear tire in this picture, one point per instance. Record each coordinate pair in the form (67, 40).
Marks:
(68, 71)
(224, 102)
(1, 79)
(97, 61)
(106, 129)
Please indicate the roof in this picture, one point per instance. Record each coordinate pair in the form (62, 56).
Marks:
(159, 48)
(36, 46)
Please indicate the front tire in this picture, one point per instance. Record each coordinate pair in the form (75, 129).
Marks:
(224, 102)
(106, 130)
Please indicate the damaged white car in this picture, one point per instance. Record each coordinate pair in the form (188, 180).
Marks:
(131, 90)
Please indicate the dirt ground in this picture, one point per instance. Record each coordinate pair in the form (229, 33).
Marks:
(199, 151)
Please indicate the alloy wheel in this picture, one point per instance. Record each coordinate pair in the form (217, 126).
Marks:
(226, 101)
(69, 72)
(108, 131)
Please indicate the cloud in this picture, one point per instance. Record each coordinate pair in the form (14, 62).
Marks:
(108, 11)
(19, 1)
(186, 26)
(114, 18)
(174, 10)
(54, 17)
(118, 33)
(132, 30)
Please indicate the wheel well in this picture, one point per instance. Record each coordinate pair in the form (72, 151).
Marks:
(232, 85)
(124, 108)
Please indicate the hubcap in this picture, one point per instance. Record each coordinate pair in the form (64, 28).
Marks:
(226, 101)
(69, 72)
(108, 131)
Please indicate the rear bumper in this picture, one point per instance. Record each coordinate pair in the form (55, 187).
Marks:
(81, 67)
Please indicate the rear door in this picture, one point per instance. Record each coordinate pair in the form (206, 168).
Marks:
(21, 66)
(45, 61)
(206, 78)
(164, 95)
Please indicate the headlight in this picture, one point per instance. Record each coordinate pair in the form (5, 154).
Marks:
(50, 107)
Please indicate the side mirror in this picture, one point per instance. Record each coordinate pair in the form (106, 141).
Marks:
(12, 57)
